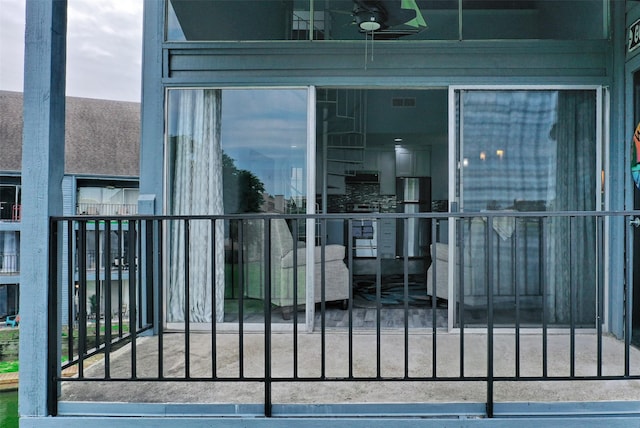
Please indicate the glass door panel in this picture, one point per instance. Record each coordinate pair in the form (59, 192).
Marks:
(523, 151)
(235, 151)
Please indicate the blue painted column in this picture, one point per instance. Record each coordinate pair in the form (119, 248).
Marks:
(152, 132)
(152, 110)
(42, 172)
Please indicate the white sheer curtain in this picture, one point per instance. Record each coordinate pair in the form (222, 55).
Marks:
(196, 188)
(9, 248)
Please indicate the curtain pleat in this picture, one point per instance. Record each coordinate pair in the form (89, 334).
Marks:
(571, 258)
(196, 189)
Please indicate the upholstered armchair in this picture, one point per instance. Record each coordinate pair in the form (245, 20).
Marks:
(439, 258)
(283, 268)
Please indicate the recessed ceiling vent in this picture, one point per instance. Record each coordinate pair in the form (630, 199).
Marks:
(408, 102)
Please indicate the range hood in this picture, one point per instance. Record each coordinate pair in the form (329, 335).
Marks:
(363, 177)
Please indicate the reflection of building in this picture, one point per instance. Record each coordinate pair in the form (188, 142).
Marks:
(101, 175)
(273, 204)
(469, 102)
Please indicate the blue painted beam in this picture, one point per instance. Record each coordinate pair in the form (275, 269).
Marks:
(42, 172)
(352, 422)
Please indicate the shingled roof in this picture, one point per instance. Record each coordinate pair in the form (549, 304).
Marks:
(102, 137)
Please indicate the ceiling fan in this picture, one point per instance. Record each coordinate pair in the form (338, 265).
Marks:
(388, 18)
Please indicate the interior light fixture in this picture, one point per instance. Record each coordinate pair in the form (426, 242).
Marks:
(483, 156)
(398, 140)
(368, 20)
(500, 153)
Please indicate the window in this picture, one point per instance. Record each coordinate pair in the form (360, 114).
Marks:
(107, 200)
(10, 202)
(9, 252)
(224, 20)
(230, 151)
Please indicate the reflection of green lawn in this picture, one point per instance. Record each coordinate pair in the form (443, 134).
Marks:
(249, 306)
(251, 274)
(9, 409)
(8, 366)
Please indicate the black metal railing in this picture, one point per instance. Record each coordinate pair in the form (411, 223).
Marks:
(544, 255)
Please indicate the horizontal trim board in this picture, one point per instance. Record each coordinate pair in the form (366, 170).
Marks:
(372, 80)
(334, 45)
(381, 60)
(387, 410)
(448, 59)
(335, 422)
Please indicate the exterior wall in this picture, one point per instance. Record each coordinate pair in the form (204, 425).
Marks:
(324, 63)
(397, 64)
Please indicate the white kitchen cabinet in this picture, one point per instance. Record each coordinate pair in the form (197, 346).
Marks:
(413, 163)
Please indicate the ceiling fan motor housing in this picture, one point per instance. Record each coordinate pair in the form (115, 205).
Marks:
(370, 19)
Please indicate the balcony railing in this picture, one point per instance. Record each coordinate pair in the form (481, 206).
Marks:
(9, 263)
(106, 209)
(10, 212)
(526, 308)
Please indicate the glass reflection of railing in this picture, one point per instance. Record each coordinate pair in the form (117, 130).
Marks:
(9, 263)
(106, 209)
(10, 213)
(115, 260)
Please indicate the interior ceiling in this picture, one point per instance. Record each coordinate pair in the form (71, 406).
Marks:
(424, 124)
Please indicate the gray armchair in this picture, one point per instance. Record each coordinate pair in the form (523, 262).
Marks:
(283, 248)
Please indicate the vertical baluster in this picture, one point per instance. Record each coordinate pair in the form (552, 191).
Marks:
(107, 299)
(378, 313)
(214, 302)
(133, 330)
(461, 269)
(71, 307)
(405, 286)
(241, 282)
(120, 258)
(544, 300)
(267, 318)
(97, 264)
(294, 224)
(187, 298)
(516, 282)
(159, 289)
(434, 298)
(350, 260)
(600, 289)
(490, 278)
(323, 302)
(572, 300)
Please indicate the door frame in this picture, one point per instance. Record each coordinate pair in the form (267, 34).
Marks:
(626, 297)
(602, 156)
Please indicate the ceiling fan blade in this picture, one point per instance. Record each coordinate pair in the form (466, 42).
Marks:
(418, 21)
(392, 12)
(396, 14)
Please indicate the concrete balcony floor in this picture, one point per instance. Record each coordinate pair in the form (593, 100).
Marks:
(392, 364)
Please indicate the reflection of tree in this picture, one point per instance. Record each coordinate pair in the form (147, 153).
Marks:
(242, 189)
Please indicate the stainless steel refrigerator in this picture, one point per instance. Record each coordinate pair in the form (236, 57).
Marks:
(413, 195)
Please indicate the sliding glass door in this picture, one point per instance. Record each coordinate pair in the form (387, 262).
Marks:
(231, 151)
(516, 152)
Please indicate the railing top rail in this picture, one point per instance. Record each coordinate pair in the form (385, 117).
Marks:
(355, 216)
